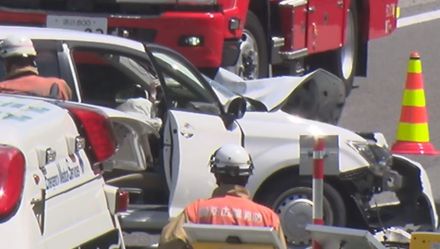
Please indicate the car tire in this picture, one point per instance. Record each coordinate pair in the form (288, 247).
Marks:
(252, 61)
(291, 199)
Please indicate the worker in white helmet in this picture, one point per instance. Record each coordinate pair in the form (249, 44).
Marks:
(230, 203)
(18, 54)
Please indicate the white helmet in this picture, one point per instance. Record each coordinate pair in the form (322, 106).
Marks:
(17, 46)
(231, 159)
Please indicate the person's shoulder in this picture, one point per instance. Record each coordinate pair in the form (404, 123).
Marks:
(270, 215)
(192, 208)
(264, 208)
(42, 78)
(53, 78)
(195, 203)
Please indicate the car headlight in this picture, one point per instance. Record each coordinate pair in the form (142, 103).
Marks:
(377, 156)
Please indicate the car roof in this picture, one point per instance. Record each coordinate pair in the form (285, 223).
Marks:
(40, 33)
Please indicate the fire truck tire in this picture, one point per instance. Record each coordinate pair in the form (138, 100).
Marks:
(291, 199)
(343, 61)
(345, 58)
(252, 61)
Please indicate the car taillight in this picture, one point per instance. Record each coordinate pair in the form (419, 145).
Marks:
(12, 165)
(98, 132)
(122, 201)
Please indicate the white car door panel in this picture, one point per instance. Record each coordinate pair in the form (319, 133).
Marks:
(194, 137)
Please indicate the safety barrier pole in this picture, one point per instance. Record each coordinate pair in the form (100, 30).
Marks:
(318, 184)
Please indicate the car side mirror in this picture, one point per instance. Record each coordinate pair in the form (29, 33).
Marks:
(235, 109)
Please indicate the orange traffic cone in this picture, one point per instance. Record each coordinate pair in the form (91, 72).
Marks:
(412, 135)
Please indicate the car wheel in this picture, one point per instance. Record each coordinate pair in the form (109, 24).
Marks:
(252, 61)
(292, 200)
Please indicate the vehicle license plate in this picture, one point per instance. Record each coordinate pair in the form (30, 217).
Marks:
(82, 23)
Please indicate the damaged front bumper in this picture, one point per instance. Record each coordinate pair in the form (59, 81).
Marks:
(393, 191)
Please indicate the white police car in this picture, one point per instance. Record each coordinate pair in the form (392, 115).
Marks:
(167, 165)
(52, 195)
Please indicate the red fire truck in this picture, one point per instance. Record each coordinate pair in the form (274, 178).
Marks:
(253, 38)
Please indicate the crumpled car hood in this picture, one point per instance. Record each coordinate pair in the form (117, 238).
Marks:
(271, 92)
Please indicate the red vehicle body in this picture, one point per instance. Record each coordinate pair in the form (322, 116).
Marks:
(253, 38)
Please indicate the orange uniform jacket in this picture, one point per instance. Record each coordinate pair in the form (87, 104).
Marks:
(229, 205)
(26, 81)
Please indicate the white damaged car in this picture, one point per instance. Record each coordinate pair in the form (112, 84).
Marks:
(163, 159)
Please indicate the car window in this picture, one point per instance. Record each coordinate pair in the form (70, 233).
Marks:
(108, 78)
(47, 61)
(185, 89)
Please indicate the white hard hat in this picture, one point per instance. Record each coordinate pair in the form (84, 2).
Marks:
(231, 159)
(17, 46)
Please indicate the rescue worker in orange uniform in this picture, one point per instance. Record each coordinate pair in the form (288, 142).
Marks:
(22, 77)
(230, 203)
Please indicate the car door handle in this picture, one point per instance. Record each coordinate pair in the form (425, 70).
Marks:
(186, 134)
(187, 131)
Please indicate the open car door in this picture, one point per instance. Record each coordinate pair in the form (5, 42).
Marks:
(189, 141)
(194, 127)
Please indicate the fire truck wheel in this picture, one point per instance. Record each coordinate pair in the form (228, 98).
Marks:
(291, 199)
(252, 61)
(345, 59)
(342, 62)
